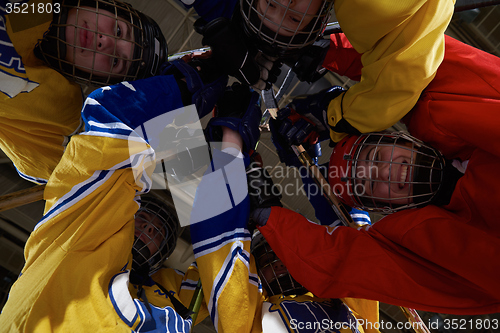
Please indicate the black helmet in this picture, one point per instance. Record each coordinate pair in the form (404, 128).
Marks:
(283, 28)
(118, 43)
(275, 277)
(156, 229)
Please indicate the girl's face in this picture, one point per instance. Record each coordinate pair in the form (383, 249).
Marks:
(286, 17)
(98, 42)
(385, 172)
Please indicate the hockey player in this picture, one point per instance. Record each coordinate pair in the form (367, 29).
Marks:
(401, 44)
(251, 38)
(441, 255)
(91, 42)
(79, 256)
(155, 238)
(232, 262)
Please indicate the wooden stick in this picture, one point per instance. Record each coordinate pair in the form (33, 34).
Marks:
(22, 197)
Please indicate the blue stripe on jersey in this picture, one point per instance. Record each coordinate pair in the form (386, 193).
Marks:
(213, 244)
(32, 179)
(75, 195)
(188, 284)
(83, 189)
(133, 103)
(237, 253)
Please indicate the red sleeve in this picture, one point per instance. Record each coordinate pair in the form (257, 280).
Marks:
(459, 110)
(435, 264)
(342, 58)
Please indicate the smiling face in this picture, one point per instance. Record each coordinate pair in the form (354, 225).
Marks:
(98, 42)
(385, 172)
(287, 17)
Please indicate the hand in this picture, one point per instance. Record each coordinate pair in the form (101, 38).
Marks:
(309, 66)
(262, 192)
(203, 92)
(315, 108)
(290, 128)
(234, 57)
(238, 109)
(270, 69)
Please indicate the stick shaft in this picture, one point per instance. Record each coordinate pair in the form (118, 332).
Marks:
(22, 197)
(196, 302)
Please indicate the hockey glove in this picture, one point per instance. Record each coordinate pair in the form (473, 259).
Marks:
(315, 107)
(262, 192)
(201, 90)
(238, 109)
(290, 128)
(233, 57)
(309, 66)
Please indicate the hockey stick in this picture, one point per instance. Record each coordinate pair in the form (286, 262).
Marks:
(22, 197)
(196, 302)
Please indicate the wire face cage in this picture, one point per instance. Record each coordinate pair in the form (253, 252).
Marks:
(282, 28)
(102, 42)
(275, 277)
(156, 233)
(385, 172)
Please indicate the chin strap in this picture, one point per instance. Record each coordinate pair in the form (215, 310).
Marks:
(184, 312)
(140, 279)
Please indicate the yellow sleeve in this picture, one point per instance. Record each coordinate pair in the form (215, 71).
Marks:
(81, 244)
(366, 312)
(221, 246)
(231, 290)
(39, 108)
(402, 46)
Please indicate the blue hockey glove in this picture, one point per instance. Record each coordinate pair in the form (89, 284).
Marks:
(290, 128)
(238, 109)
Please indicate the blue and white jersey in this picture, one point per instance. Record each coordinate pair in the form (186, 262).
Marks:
(78, 258)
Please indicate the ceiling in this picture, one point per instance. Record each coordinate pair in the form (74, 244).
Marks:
(478, 27)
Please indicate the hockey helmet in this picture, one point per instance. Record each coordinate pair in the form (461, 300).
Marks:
(385, 172)
(102, 42)
(282, 28)
(156, 233)
(274, 275)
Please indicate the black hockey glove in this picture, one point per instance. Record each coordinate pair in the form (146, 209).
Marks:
(262, 192)
(234, 57)
(309, 66)
(315, 107)
(201, 90)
